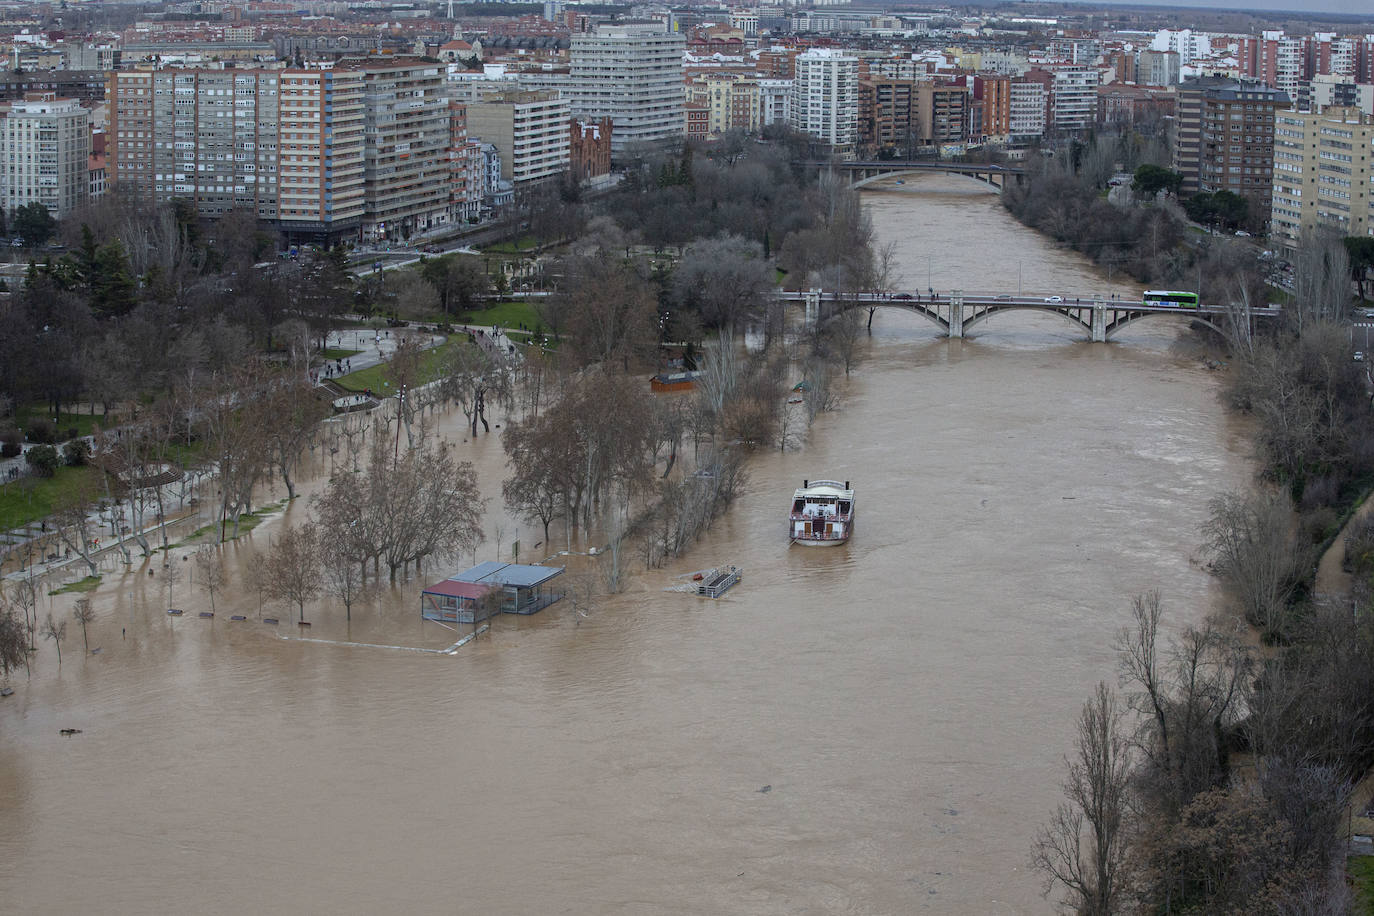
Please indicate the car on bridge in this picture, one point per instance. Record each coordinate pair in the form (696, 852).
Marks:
(1003, 298)
(902, 296)
(1054, 300)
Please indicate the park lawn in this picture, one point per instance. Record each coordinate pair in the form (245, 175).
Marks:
(506, 315)
(339, 353)
(1361, 869)
(524, 243)
(247, 522)
(85, 423)
(87, 584)
(31, 498)
(375, 377)
(521, 337)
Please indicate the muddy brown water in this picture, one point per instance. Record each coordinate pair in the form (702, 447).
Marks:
(876, 728)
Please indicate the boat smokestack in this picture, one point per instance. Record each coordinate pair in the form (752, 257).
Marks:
(805, 483)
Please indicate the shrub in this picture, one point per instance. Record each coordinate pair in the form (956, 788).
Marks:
(1320, 524)
(10, 443)
(42, 431)
(43, 459)
(76, 452)
(72, 433)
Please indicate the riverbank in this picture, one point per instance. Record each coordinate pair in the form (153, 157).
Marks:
(906, 699)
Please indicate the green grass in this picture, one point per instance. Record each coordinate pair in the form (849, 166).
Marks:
(247, 522)
(505, 314)
(524, 243)
(1361, 870)
(85, 423)
(338, 353)
(29, 499)
(375, 377)
(87, 584)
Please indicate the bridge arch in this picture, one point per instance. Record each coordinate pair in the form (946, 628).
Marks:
(980, 177)
(1122, 323)
(1061, 311)
(929, 314)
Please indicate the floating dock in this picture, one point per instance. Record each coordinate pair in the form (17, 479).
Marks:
(718, 581)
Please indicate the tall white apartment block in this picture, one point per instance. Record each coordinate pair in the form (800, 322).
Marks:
(321, 150)
(45, 147)
(825, 97)
(631, 74)
(1323, 175)
(1074, 97)
(1186, 43)
(214, 141)
(1027, 109)
(775, 101)
(405, 157)
(529, 128)
(205, 136)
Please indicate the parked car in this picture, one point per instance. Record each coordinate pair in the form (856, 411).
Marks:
(1359, 356)
(16, 242)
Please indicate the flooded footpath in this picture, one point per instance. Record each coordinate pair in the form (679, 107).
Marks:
(873, 728)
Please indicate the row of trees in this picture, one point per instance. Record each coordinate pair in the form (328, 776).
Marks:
(1220, 780)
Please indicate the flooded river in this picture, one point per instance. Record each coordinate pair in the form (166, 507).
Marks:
(876, 728)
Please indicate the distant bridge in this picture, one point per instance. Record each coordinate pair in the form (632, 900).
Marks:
(954, 313)
(863, 173)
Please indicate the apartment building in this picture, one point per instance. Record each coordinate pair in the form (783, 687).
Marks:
(733, 101)
(1073, 98)
(1224, 139)
(631, 74)
(465, 185)
(207, 136)
(1323, 169)
(45, 147)
(1158, 68)
(1027, 104)
(825, 97)
(405, 153)
(995, 94)
(886, 107)
(775, 101)
(941, 114)
(320, 144)
(530, 128)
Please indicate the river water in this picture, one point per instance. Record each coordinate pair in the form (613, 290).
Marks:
(876, 728)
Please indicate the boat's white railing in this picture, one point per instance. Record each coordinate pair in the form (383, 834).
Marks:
(826, 483)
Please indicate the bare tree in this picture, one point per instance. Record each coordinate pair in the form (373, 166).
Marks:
(210, 571)
(341, 565)
(56, 632)
(85, 615)
(73, 522)
(14, 643)
(1256, 553)
(1189, 699)
(293, 566)
(473, 378)
(291, 415)
(1096, 815)
(725, 279)
(25, 594)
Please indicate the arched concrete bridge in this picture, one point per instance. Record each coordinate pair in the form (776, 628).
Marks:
(954, 313)
(863, 173)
